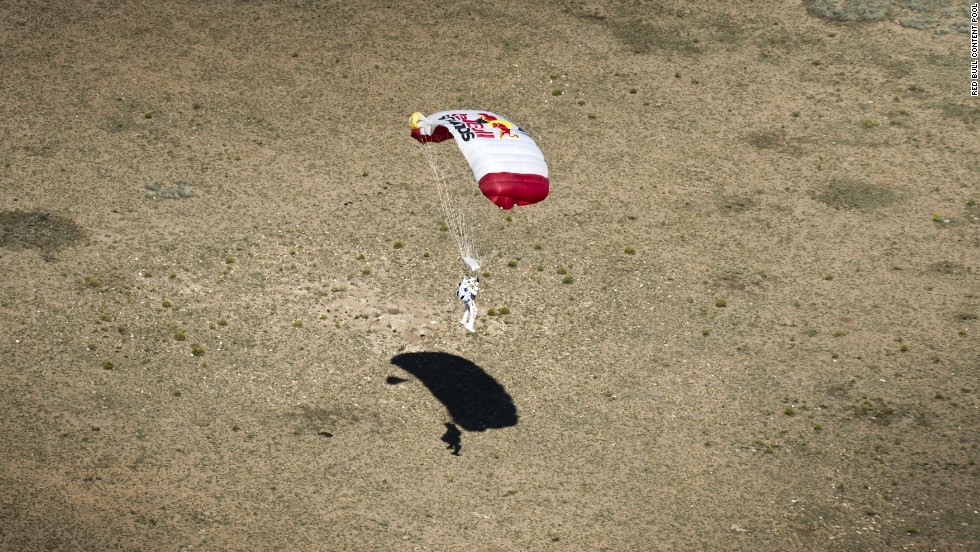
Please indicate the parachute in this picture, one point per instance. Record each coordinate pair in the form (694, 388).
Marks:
(505, 161)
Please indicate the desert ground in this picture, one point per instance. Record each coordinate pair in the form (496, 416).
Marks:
(745, 318)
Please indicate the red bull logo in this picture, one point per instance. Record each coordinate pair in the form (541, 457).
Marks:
(503, 126)
(481, 127)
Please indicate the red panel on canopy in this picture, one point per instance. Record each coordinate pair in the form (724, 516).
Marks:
(439, 134)
(508, 189)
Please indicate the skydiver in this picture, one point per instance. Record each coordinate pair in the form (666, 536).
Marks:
(466, 293)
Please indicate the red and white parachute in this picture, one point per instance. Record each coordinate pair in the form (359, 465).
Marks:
(505, 161)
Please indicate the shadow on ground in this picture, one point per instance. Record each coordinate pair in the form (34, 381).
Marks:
(474, 399)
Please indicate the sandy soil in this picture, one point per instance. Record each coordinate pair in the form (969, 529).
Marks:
(210, 340)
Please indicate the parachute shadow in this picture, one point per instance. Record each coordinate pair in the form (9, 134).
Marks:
(474, 399)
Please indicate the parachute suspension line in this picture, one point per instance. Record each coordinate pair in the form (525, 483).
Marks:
(452, 207)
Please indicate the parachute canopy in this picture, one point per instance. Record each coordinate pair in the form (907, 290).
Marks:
(505, 160)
